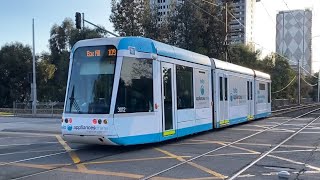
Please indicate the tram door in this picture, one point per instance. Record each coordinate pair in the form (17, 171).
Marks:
(250, 99)
(168, 100)
(223, 116)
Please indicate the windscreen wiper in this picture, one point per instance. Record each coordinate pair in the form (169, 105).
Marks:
(75, 104)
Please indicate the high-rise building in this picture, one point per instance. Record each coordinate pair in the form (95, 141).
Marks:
(242, 33)
(163, 6)
(239, 32)
(293, 38)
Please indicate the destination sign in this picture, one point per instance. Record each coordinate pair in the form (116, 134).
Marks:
(110, 52)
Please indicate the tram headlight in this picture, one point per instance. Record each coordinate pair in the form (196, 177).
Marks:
(105, 121)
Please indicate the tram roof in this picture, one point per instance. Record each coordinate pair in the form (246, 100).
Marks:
(147, 45)
(261, 74)
(218, 64)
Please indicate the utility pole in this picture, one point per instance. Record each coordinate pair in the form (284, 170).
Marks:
(226, 30)
(34, 83)
(299, 83)
(83, 20)
(318, 86)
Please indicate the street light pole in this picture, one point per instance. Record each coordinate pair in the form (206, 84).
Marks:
(226, 38)
(318, 86)
(34, 83)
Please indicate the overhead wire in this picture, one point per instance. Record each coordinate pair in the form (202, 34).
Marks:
(267, 12)
(285, 86)
(308, 82)
(261, 45)
(255, 42)
(252, 41)
(205, 10)
(308, 72)
(299, 27)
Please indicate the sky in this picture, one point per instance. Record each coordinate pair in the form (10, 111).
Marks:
(16, 20)
(265, 27)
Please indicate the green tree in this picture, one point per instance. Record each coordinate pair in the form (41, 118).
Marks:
(54, 66)
(244, 56)
(127, 17)
(15, 65)
(282, 74)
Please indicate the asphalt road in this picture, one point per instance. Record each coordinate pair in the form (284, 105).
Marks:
(32, 148)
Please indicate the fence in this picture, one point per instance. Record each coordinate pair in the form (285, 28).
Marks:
(288, 102)
(44, 109)
(55, 109)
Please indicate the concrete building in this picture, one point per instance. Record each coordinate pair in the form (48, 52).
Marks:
(163, 6)
(243, 10)
(294, 37)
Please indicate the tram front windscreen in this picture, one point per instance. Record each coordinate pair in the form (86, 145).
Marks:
(91, 80)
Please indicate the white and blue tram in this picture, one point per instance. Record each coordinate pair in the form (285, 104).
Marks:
(134, 90)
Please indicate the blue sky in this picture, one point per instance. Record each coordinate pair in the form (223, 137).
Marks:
(16, 18)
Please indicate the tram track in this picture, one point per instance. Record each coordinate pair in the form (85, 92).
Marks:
(238, 173)
(292, 109)
(231, 143)
(124, 151)
(63, 166)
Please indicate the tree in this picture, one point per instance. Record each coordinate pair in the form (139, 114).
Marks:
(127, 17)
(15, 65)
(282, 74)
(54, 66)
(243, 56)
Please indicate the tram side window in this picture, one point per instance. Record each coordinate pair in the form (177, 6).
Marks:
(184, 87)
(248, 93)
(135, 92)
(262, 86)
(269, 95)
(221, 89)
(225, 89)
(251, 91)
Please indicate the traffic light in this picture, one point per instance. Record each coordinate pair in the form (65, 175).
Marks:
(78, 20)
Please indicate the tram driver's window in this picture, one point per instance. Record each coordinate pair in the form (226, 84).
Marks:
(184, 87)
(135, 92)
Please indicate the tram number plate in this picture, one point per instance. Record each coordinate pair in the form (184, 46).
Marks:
(122, 109)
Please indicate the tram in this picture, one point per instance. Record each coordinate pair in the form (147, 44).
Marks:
(134, 90)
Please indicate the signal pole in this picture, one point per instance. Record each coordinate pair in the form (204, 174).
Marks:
(83, 20)
(299, 83)
(318, 85)
(34, 83)
(226, 30)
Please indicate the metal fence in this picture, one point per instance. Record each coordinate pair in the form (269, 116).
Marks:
(44, 109)
(55, 109)
(288, 102)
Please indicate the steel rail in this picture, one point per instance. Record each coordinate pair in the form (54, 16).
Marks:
(271, 150)
(227, 145)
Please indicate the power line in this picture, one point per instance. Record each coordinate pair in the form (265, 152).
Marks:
(205, 10)
(267, 11)
(236, 19)
(292, 14)
(295, 63)
(251, 41)
(309, 83)
(308, 72)
(285, 86)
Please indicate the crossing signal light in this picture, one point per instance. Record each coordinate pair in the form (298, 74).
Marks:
(78, 20)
